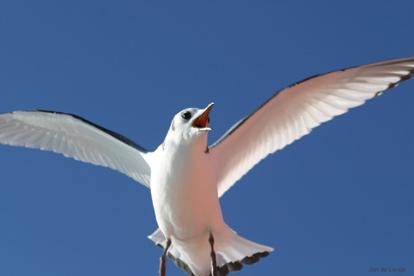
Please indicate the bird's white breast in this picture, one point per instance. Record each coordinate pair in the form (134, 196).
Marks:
(184, 193)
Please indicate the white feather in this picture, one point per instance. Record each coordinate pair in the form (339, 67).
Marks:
(72, 137)
(294, 111)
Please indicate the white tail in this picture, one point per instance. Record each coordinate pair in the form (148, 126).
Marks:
(232, 251)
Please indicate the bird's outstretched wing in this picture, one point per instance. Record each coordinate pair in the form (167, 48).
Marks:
(294, 111)
(75, 137)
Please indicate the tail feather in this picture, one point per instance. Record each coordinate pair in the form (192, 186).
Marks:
(232, 252)
(173, 253)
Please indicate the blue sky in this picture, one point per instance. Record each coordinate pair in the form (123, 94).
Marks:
(337, 202)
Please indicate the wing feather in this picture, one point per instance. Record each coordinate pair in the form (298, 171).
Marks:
(295, 111)
(77, 138)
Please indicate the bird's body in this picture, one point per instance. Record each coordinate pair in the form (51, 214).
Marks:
(186, 176)
(186, 203)
(183, 191)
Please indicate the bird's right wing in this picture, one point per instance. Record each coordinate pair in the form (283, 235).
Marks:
(295, 111)
(75, 137)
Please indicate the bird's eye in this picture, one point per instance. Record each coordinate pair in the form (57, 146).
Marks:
(186, 115)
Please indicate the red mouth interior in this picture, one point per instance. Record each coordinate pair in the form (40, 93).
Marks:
(203, 120)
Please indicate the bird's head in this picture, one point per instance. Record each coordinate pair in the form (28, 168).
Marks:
(190, 125)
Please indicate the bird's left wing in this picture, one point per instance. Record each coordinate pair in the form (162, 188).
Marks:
(77, 138)
(295, 111)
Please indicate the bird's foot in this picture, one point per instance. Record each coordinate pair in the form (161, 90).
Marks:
(214, 271)
(163, 258)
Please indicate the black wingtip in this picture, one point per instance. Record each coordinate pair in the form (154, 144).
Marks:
(402, 78)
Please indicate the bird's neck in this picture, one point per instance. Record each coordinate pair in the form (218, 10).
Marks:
(193, 145)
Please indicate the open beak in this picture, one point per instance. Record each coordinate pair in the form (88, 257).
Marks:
(201, 122)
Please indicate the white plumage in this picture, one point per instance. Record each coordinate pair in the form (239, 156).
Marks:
(295, 111)
(74, 137)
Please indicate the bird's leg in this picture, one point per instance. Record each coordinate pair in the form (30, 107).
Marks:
(163, 268)
(214, 271)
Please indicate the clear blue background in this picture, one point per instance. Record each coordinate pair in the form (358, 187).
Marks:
(337, 202)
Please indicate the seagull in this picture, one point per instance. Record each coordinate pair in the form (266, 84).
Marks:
(187, 176)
